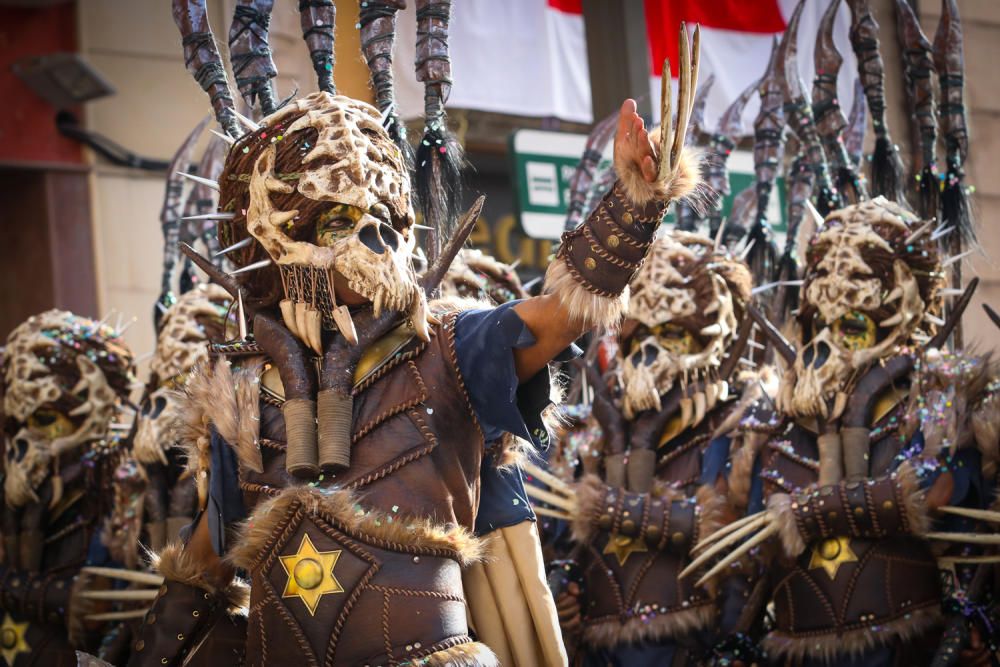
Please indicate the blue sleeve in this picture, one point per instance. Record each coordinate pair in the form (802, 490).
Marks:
(485, 341)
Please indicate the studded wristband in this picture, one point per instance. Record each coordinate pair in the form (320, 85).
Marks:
(172, 625)
(873, 508)
(607, 249)
(662, 522)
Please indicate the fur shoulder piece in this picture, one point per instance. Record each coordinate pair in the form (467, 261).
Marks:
(175, 563)
(227, 399)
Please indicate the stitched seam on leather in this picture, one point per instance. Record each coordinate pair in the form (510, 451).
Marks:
(870, 502)
(389, 364)
(640, 574)
(848, 510)
(851, 585)
(399, 462)
(412, 593)
(352, 599)
(792, 456)
(260, 488)
(608, 219)
(587, 285)
(387, 642)
(687, 446)
(615, 588)
(449, 327)
(376, 421)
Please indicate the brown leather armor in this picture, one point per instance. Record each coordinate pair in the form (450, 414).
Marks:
(640, 546)
(851, 584)
(328, 590)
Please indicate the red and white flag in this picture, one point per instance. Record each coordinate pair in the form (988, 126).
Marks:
(528, 57)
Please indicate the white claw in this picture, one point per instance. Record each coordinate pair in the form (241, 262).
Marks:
(759, 517)
(125, 575)
(967, 538)
(288, 315)
(981, 515)
(738, 553)
(732, 538)
(555, 514)
(342, 318)
(116, 615)
(121, 596)
(314, 329)
(550, 498)
(548, 478)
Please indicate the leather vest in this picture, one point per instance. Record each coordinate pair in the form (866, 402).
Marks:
(844, 587)
(632, 589)
(332, 585)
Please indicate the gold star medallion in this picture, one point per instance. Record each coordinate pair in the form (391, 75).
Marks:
(310, 574)
(12, 641)
(831, 554)
(623, 547)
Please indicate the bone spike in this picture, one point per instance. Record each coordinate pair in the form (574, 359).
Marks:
(418, 315)
(548, 478)
(746, 250)
(892, 321)
(738, 553)
(749, 363)
(345, 323)
(545, 511)
(377, 303)
(965, 538)
(249, 124)
(207, 182)
(236, 246)
(425, 227)
(225, 137)
(937, 321)
(314, 329)
(981, 515)
(161, 307)
(957, 258)
(814, 214)
(711, 394)
(941, 233)
(683, 96)
(241, 316)
(733, 537)
(221, 215)
(920, 231)
(718, 235)
(116, 615)
(766, 287)
(893, 295)
(758, 517)
(712, 330)
(121, 596)
(251, 267)
(951, 291)
(699, 407)
(550, 498)
(125, 575)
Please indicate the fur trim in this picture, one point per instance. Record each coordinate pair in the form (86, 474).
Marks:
(607, 634)
(712, 509)
(745, 449)
(228, 400)
(986, 428)
(341, 507)
(585, 309)
(79, 607)
(833, 645)
(453, 303)
(913, 499)
(780, 506)
(684, 184)
(175, 563)
(474, 654)
(590, 492)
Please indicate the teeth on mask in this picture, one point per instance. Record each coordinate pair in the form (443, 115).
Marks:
(687, 410)
(699, 407)
(342, 318)
(288, 315)
(300, 321)
(934, 320)
(723, 390)
(712, 330)
(418, 315)
(279, 218)
(892, 321)
(893, 295)
(712, 307)
(839, 404)
(711, 394)
(377, 303)
(314, 329)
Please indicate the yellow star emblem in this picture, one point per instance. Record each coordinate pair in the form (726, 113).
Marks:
(623, 547)
(831, 554)
(310, 574)
(12, 641)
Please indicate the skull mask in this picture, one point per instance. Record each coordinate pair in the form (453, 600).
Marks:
(328, 196)
(682, 315)
(62, 376)
(476, 275)
(869, 283)
(188, 326)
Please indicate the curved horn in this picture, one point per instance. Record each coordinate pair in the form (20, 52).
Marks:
(250, 54)
(318, 18)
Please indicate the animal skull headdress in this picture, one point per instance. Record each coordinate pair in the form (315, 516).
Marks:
(63, 376)
(684, 307)
(198, 317)
(477, 275)
(871, 281)
(324, 191)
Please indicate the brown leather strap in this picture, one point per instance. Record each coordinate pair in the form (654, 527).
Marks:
(660, 521)
(172, 625)
(853, 508)
(607, 249)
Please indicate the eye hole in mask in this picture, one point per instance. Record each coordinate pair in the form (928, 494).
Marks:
(855, 331)
(50, 424)
(673, 338)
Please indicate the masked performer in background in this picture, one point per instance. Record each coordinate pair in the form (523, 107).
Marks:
(870, 459)
(64, 377)
(661, 462)
(341, 460)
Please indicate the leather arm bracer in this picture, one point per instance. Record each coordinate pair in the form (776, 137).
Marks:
(40, 597)
(605, 251)
(663, 522)
(870, 509)
(180, 614)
